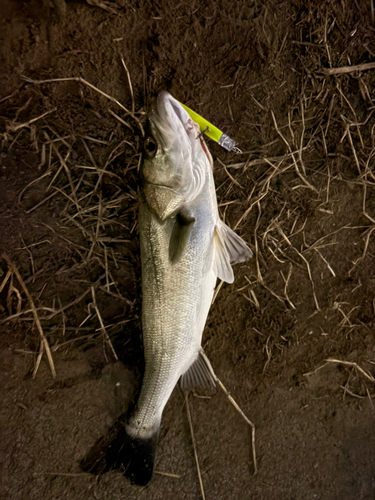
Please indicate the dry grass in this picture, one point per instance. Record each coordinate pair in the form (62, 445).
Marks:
(290, 216)
(281, 238)
(44, 346)
(329, 126)
(194, 446)
(355, 370)
(81, 187)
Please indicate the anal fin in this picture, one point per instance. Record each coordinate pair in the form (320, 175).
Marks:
(200, 375)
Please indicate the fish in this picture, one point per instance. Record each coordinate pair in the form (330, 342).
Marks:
(185, 249)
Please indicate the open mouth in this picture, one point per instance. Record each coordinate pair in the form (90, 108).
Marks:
(178, 110)
(167, 113)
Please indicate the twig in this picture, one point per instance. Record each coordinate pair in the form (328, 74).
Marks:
(30, 255)
(326, 44)
(349, 69)
(370, 398)
(80, 80)
(355, 365)
(102, 327)
(340, 362)
(235, 405)
(38, 359)
(348, 391)
(5, 280)
(310, 277)
(31, 183)
(44, 342)
(258, 161)
(280, 299)
(57, 191)
(301, 138)
(194, 445)
(91, 86)
(326, 262)
(167, 474)
(229, 175)
(251, 425)
(63, 474)
(14, 128)
(120, 120)
(12, 94)
(259, 274)
(218, 288)
(269, 354)
(55, 312)
(130, 83)
(292, 154)
(248, 210)
(286, 280)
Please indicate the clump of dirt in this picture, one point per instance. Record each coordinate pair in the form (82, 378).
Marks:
(292, 83)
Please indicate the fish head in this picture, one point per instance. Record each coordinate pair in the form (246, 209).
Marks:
(176, 158)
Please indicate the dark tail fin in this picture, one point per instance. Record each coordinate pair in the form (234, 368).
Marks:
(141, 464)
(117, 450)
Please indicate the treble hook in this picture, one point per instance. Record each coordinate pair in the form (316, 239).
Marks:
(201, 134)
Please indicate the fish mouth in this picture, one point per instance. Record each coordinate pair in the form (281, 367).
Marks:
(170, 122)
(160, 185)
(165, 101)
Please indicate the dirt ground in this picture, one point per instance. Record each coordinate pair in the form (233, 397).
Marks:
(279, 78)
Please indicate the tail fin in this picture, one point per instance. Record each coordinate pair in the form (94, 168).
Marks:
(141, 464)
(134, 456)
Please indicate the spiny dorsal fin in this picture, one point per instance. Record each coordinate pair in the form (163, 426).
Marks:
(180, 236)
(199, 375)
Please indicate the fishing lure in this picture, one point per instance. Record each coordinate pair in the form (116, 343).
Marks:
(212, 132)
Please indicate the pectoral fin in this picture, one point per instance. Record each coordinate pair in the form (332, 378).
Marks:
(180, 236)
(229, 248)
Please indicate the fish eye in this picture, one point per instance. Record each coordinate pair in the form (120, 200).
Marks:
(150, 147)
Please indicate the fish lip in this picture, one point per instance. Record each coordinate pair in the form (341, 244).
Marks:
(160, 186)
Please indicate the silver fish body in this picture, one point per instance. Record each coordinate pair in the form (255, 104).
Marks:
(176, 301)
(184, 249)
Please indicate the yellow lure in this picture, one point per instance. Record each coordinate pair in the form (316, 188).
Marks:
(211, 131)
